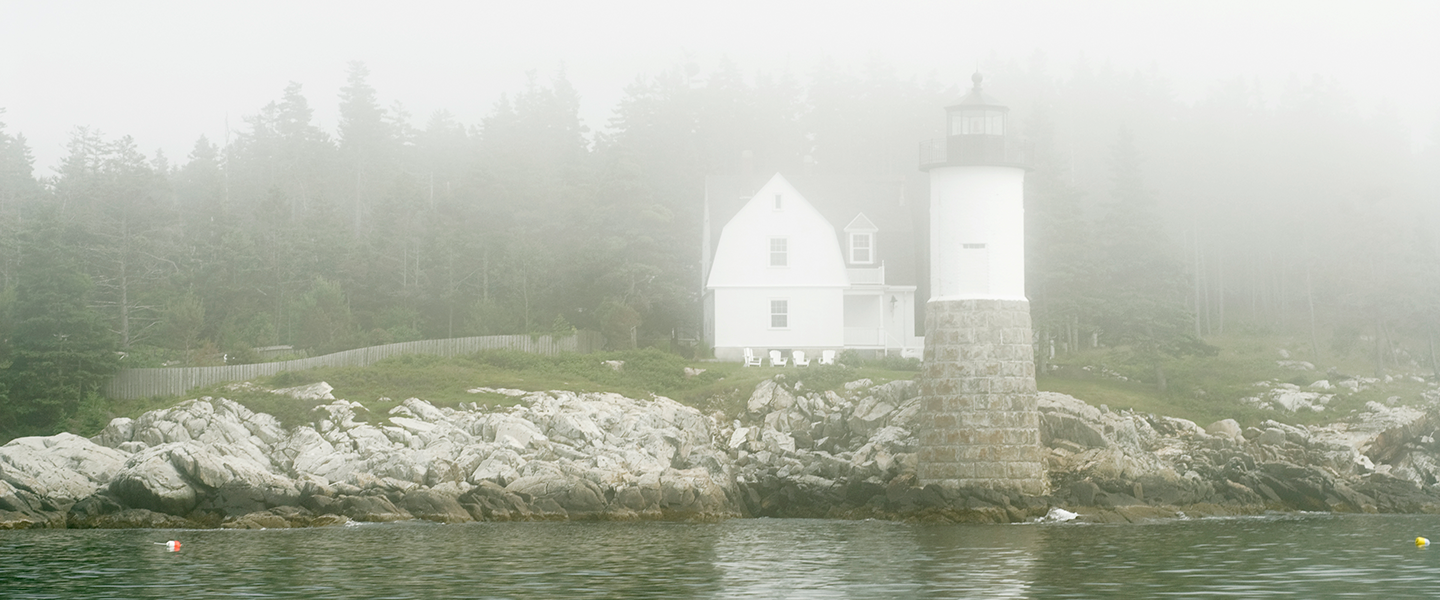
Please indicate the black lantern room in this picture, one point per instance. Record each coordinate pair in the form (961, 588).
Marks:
(975, 133)
(976, 128)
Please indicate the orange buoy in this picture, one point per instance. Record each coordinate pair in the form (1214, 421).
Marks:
(172, 546)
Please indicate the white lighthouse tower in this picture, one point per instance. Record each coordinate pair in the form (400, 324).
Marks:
(977, 205)
(978, 383)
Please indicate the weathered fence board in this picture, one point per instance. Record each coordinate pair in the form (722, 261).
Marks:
(142, 383)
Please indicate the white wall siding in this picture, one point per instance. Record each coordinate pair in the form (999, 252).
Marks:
(742, 318)
(975, 206)
(742, 257)
(814, 283)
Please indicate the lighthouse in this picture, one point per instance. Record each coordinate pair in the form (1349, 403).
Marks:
(980, 427)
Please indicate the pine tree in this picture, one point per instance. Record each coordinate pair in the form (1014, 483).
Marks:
(1143, 288)
(112, 190)
(367, 144)
(61, 352)
(17, 186)
(1062, 261)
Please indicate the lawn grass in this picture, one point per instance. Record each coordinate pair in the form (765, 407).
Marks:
(1143, 398)
(1205, 389)
(444, 381)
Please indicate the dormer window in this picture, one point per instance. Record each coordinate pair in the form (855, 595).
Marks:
(779, 252)
(861, 232)
(779, 202)
(862, 248)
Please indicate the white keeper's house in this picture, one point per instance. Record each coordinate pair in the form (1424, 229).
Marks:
(833, 268)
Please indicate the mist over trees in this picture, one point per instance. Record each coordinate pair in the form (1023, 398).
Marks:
(1153, 223)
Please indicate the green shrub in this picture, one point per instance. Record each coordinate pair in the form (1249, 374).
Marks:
(886, 362)
(286, 379)
(824, 377)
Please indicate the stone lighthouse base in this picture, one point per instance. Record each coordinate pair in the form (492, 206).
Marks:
(977, 388)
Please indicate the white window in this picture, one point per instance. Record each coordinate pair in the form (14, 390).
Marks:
(779, 314)
(994, 123)
(862, 248)
(974, 123)
(978, 122)
(779, 202)
(779, 252)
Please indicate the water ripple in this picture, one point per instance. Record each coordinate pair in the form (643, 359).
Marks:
(1308, 556)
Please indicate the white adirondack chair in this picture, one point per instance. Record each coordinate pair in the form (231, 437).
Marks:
(750, 359)
(776, 360)
(827, 357)
(799, 358)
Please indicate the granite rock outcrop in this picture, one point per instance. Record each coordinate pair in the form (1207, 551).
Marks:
(790, 452)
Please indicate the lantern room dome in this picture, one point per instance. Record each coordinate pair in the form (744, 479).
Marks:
(977, 98)
(975, 133)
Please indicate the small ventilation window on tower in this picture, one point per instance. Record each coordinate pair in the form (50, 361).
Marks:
(779, 202)
(779, 314)
(974, 246)
(779, 252)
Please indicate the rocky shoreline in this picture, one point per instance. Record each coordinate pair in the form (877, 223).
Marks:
(848, 454)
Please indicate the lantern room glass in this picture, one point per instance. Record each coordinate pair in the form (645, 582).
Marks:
(977, 122)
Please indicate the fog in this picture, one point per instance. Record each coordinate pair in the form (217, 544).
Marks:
(167, 72)
(203, 184)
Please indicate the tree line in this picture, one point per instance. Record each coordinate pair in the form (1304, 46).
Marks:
(1152, 223)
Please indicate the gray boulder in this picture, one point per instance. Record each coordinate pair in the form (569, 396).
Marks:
(432, 505)
(63, 468)
(371, 508)
(769, 396)
(176, 478)
(1058, 426)
(575, 497)
(151, 481)
(1227, 428)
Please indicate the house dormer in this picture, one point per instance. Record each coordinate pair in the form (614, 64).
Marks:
(860, 241)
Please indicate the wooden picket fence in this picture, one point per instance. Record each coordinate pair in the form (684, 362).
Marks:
(130, 384)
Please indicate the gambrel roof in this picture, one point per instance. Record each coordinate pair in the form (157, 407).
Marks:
(896, 209)
(777, 210)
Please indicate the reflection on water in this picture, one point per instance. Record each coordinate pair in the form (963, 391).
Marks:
(845, 559)
(1299, 556)
(978, 561)
(1311, 556)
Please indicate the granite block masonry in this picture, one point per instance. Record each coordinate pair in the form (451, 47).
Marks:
(980, 426)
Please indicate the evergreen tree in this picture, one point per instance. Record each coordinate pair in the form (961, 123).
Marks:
(17, 187)
(1061, 259)
(533, 166)
(61, 352)
(367, 144)
(112, 190)
(324, 314)
(283, 149)
(1143, 288)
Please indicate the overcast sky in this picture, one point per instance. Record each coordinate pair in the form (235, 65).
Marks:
(167, 72)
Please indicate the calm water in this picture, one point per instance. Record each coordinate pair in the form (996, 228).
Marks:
(1307, 556)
